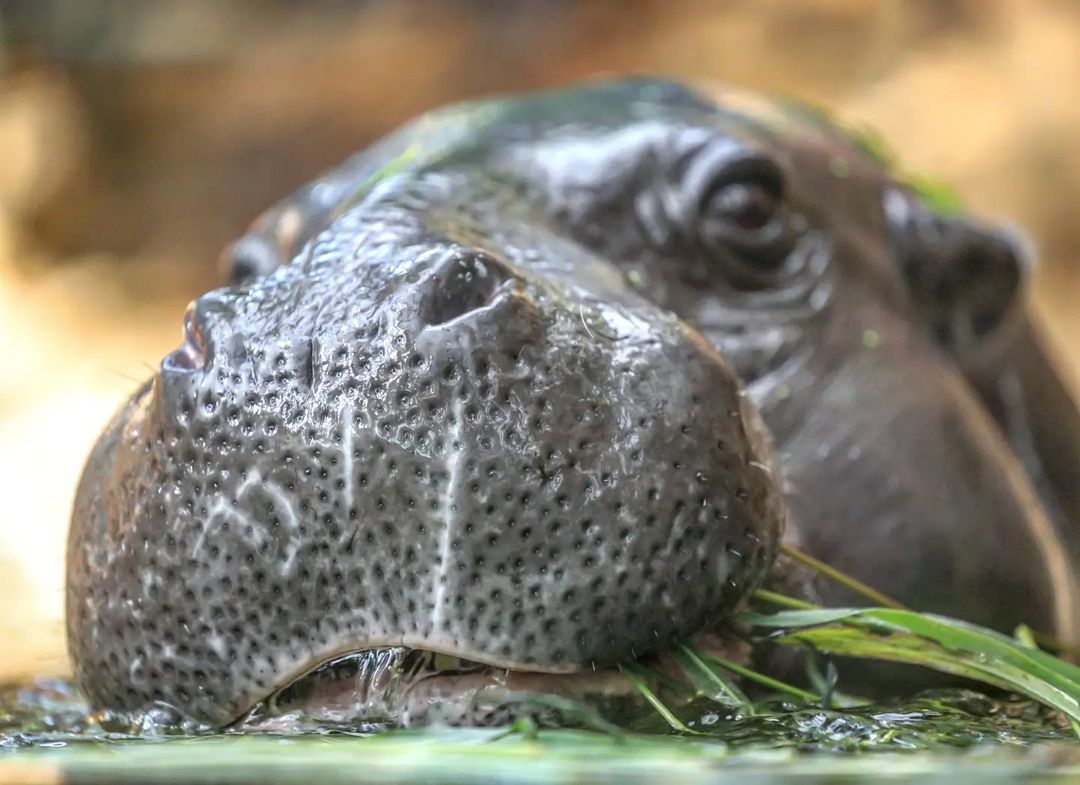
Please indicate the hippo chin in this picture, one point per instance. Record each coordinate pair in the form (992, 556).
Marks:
(494, 405)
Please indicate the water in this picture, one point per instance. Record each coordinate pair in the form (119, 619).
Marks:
(945, 719)
(47, 732)
(49, 714)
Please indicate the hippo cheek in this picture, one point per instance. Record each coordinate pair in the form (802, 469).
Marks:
(547, 497)
(910, 458)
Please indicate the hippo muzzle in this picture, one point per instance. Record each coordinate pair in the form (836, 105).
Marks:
(502, 391)
(444, 452)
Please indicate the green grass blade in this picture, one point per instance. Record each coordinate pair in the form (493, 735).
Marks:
(782, 600)
(567, 708)
(766, 681)
(664, 680)
(710, 682)
(840, 578)
(651, 697)
(796, 618)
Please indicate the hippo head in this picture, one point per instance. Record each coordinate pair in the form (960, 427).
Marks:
(492, 390)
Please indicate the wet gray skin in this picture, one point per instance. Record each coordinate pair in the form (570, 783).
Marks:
(494, 389)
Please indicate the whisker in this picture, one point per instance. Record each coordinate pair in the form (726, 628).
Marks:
(122, 375)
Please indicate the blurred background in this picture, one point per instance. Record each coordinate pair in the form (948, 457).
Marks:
(137, 138)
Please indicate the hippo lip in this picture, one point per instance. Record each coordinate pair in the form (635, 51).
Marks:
(404, 685)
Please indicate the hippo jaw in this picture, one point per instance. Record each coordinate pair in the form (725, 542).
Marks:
(436, 451)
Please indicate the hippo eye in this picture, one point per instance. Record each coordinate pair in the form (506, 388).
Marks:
(742, 217)
(747, 206)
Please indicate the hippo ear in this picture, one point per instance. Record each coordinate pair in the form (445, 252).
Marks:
(966, 278)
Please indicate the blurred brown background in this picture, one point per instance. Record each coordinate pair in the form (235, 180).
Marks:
(137, 138)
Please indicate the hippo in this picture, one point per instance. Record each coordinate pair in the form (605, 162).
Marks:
(537, 385)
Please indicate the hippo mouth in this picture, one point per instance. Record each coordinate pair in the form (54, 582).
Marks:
(401, 687)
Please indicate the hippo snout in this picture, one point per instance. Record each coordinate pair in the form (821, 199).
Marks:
(440, 452)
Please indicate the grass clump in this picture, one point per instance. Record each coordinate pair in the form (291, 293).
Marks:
(887, 633)
(936, 642)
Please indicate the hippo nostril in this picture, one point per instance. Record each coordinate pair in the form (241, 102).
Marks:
(461, 284)
(191, 356)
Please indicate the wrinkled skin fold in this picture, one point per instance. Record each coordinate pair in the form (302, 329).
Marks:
(537, 383)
